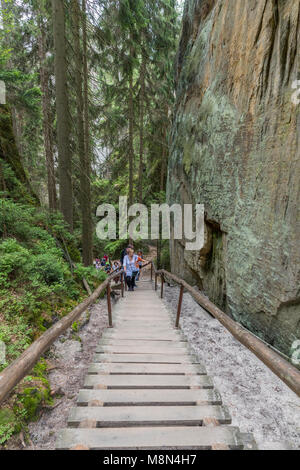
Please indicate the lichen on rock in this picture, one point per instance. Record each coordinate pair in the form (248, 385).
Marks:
(235, 149)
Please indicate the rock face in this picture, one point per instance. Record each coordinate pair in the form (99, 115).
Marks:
(235, 148)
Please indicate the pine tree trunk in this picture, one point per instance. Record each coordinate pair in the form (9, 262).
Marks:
(87, 210)
(47, 129)
(142, 98)
(131, 130)
(84, 175)
(62, 110)
(164, 163)
(17, 128)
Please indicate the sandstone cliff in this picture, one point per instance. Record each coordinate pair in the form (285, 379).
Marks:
(235, 148)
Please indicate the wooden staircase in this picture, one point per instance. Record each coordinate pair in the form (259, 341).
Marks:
(146, 390)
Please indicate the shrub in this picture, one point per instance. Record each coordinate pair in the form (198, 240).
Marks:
(13, 258)
(46, 268)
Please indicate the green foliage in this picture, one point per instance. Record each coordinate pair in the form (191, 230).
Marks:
(93, 276)
(32, 398)
(45, 268)
(32, 394)
(13, 258)
(36, 289)
(7, 424)
(114, 248)
(165, 256)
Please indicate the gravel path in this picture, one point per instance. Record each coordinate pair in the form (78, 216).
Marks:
(259, 402)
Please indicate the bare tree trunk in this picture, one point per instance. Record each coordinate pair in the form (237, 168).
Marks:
(87, 213)
(47, 130)
(163, 164)
(142, 97)
(131, 131)
(81, 129)
(62, 109)
(17, 128)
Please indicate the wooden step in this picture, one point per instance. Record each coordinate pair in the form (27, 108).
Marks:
(128, 416)
(189, 438)
(147, 382)
(148, 397)
(142, 349)
(142, 342)
(143, 336)
(147, 369)
(146, 358)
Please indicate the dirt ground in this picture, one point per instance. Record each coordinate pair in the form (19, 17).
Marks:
(258, 401)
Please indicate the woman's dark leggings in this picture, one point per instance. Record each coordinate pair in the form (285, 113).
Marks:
(130, 281)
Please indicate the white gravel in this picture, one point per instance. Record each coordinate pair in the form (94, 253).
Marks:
(258, 401)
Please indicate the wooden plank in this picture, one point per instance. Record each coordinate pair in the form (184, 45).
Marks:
(148, 415)
(149, 397)
(147, 382)
(146, 358)
(150, 369)
(193, 437)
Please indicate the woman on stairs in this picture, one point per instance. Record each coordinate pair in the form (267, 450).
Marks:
(129, 265)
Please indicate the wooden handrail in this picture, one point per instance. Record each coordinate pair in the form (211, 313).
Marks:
(14, 373)
(288, 373)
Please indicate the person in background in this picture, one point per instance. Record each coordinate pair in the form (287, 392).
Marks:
(116, 267)
(139, 265)
(124, 253)
(129, 265)
(108, 267)
(97, 264)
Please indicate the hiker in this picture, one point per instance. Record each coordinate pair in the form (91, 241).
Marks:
(116, 267)
(139, 265)
(124, 253)
(108, 267)
(129, 265)
(97, 264)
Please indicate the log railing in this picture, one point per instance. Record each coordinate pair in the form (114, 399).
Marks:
(288, 373)
(14, 373)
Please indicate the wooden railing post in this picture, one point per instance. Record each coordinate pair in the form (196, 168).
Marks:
(122, 284)
(110, 323)
(151, 272)
(179, 307)
(162, 286)
(155, 281)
